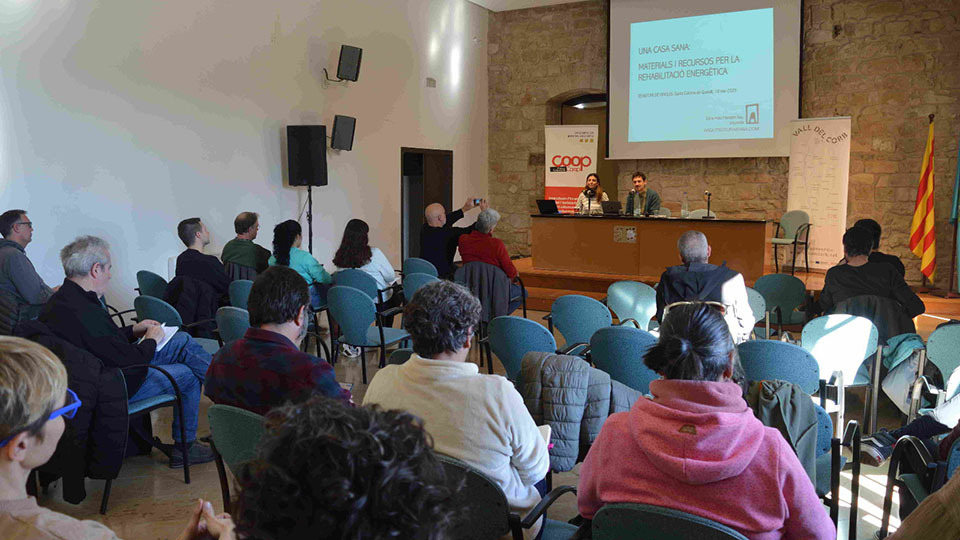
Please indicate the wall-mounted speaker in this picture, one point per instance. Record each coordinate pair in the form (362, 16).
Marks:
(307, 155)
(348, 68)
(343, 128)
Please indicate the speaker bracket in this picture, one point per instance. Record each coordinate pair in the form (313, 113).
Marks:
(327, 75)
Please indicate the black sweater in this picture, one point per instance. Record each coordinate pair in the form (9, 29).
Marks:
(881, 279)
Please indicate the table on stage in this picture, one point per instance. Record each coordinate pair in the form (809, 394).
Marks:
(642, 246)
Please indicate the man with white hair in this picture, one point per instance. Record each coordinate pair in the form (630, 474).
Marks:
(438, 236)
(481, 246)
(76, 314)
(699, 281)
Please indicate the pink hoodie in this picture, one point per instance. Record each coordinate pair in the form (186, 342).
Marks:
(697, 447)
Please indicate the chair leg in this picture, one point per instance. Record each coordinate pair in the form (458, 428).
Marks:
(106, 497)
(363, 363)
(383, 355)
(183, 444)
(855, 489)
(222, 474)
(776, 260)
(326, 351)
(835, 481)
(793, 266)
(806, 256)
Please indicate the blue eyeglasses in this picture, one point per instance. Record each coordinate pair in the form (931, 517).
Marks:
(69, 410)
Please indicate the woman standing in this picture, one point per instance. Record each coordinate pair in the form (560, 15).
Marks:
(592, 195)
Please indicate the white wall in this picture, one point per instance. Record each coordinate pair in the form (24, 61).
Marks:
(120, 118)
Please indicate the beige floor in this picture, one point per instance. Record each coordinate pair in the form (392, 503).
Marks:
(149, 501)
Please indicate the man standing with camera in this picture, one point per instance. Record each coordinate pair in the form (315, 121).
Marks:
(438, 236)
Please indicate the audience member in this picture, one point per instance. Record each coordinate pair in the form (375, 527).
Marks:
(590, 199)
(195, 264)
(859, 276)
(17, 274)
(641, 200)
(877, 447)
(287, 237)
(695, 446)
(241, 250)
(698, 280)
(265, 368)
(76, 314)
(438, 236)
(480, 419)
(34, 400)
(936, 517)
(355, 252)
(875, 254)
(481, 246)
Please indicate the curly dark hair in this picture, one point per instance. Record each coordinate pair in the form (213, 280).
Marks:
(328, 470)
(440, 316)
(354, 250)
(283, 236)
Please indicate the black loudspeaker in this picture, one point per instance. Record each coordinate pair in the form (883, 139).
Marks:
(343, 127)
(307, 155)
(348, 68)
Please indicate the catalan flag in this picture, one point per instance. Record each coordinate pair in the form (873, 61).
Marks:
(923, 241)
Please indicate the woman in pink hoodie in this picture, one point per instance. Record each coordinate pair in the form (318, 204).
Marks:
(696, 446)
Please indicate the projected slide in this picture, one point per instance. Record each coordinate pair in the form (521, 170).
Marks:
(702, 78)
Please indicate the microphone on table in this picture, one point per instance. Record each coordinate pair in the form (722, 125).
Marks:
(590, 193)
(708, 195)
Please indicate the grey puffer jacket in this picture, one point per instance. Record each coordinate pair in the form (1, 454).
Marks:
(574, 398)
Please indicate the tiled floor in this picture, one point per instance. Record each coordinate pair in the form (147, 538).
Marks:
(150, 501)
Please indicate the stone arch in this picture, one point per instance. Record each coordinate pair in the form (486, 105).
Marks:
(554, 103)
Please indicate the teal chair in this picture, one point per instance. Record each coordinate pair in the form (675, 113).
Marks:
(842, 344)
(795, 226)
(239, 292)
(943, 351)
(361, 324)
(399, 357)
(151, 284)
(759, 308)
(766, 360)
(413, 281)
(484, 513)
(784, 295)
(232, 322)
(148, 307)
(414, 265)
(830, 461)
(360, 280)
(632, 301)
(577, 317)
(631, 521)
(619, 351)
(512, 337)
(235, 434)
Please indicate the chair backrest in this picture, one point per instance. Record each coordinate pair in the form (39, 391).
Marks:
(942, 351)
(399, 356)
(484, 512)
(757, 304)
(353, 310)
(953, 458)
(358, 279)
(633, 300)
(840, 343)
(151, 284)
(240, 292)
(791, 221)
(781, 290)
(238, 271)
(700, 213)
(619, 350)
(236, 433)
(824, 430)
(577, 317)
(149, 307)
(664, 211)
(232, 323)
(484, 280)
(630, 521)
(413, 281)
(512, 337)
(765, 360)
(886, 313)
(414, 265)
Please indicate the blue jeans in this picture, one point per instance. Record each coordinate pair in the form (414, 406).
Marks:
(187, 363)
(515, 292)
(318, 295)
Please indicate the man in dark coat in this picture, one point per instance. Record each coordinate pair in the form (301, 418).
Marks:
(438, 236)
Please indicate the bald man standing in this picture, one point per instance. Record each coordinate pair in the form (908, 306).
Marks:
(438, 236)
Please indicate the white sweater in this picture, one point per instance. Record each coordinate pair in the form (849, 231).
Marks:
(380, 270)
(478, 419)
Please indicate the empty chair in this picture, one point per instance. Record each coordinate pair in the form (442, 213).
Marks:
(830, 461)
(512, 337)
(795, 226)
(632, 300)
(235, 434)
(239, 292)
(414, 265)
(151, 284)
(361, 324)
(577, 317)
(232, 322)
(413, 281)
(664, 212)
(783, 295)
(701, 213)
(148, 307)
(759, 307)
(765, 360)
(399, 357)
(619, 350)
(630, 521)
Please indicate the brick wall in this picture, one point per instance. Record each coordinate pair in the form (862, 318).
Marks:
(887, 64)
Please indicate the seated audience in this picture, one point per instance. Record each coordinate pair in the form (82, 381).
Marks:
(642, 200)
(481, 246)
(438, 236)
(17, 274)
(697, 447)
(355, 252)
(74, 313)
(878, 447)
(698, 280)
(194, 264)
(287, 237)
(859, 276)
(875, 254)
(265, 368)
(34, 401)
(326, 471)
(241, 250)
(588, 202)
(480, 419)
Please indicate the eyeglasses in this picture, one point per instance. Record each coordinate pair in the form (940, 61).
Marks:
(27, 223)
(69, 410)
(720, 308)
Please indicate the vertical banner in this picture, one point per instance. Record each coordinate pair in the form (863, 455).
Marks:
(819, 172)
(571, 154)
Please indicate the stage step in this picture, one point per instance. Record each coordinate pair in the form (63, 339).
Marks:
(541, 298)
